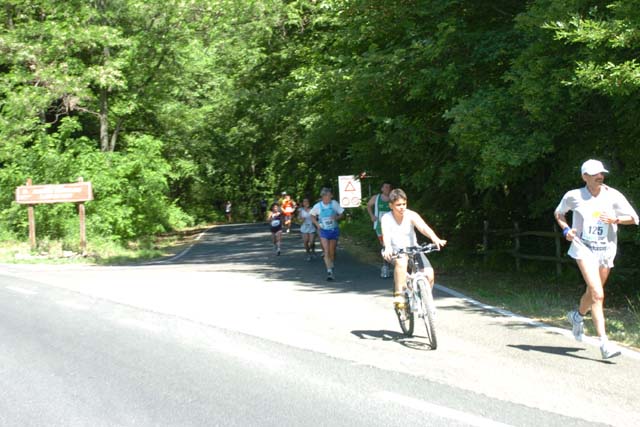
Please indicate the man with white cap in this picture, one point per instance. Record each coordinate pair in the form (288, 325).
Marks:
(597, 211)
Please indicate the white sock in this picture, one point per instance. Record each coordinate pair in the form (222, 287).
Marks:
(604, 340)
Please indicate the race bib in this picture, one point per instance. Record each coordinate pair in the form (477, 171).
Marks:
(595, 231)
(275, 223)
(328, 223)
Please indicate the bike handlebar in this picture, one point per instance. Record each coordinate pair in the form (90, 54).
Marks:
(425, 248)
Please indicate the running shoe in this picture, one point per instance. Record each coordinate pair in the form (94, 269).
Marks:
(577, 324)
(609, 350)
(330, 276)
(278, 252)
(308, 257)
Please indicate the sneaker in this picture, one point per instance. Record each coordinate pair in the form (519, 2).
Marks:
(609, 350)
(330, 276)
(308, 257)
(577, 324)
(278, 252)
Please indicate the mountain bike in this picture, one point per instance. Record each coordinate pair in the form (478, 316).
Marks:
(418, 295)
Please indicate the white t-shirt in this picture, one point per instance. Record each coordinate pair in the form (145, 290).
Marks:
(307, 225)
(401, 235)
(325, 213)
(600, 237)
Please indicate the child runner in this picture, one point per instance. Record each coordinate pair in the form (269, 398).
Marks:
(307, 229)
(275, 222)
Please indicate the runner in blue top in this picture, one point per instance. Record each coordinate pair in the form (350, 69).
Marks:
(325, 215)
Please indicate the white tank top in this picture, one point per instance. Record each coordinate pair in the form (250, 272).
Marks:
(402, 235)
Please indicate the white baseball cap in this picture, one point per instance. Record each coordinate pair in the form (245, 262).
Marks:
(593, 167)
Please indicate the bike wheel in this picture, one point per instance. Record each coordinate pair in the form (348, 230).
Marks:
(406, 319)
(429, 311)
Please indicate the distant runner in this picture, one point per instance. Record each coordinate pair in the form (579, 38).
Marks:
(275, 222)
(377, 206)
(325, 215)
(288, 208)
(307, 229)
(597, 211)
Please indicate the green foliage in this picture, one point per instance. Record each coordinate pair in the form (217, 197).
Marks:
(478, 110)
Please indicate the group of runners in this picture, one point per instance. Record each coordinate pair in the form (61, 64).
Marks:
(597, 211)
(320, 219)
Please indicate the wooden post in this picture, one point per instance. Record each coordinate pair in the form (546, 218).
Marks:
(32, 222)
(516, 244)
(83, 229)
(558, 250)
(485, 239)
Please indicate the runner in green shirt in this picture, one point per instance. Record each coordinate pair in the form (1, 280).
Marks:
(377, 206)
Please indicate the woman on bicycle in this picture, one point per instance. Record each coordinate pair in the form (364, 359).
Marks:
(275, 222)
(398, 232)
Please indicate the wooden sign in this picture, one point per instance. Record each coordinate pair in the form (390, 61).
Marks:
(54, 193)
(76, 192)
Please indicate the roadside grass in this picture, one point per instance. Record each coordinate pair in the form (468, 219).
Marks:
(100, 252)
(535, 292)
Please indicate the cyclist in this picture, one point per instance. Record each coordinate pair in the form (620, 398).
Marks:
(325, 215)
(597, 211)
(288, 208)
(275, 222)
(307, 229)
(377, 206)
(398, 232)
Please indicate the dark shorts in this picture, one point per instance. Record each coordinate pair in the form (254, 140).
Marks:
(276, 229)
(332, 234)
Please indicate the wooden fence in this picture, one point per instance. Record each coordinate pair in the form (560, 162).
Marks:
(516, 235)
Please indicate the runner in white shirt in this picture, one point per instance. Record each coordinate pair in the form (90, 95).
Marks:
(307, 229)
(597, 211)
(398, 232)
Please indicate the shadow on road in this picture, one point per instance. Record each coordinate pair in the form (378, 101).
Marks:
(560, 351)
(393, 336)
(248, 247)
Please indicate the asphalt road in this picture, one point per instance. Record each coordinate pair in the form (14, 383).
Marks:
(227, 333)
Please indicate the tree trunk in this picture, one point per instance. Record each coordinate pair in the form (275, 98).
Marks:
(104, 121)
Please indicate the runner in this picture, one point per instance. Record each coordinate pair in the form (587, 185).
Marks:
(275, 222)
(307, 229)
(597, 211)
(227, 210)
(288, 209)
(325, 215)
(377, 206)
(398, 232)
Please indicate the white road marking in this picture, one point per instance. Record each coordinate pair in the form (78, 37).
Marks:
(140, 324)
(508, 314)
(181, 254)
(438, 410)
(74, 305)
(21, 290)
